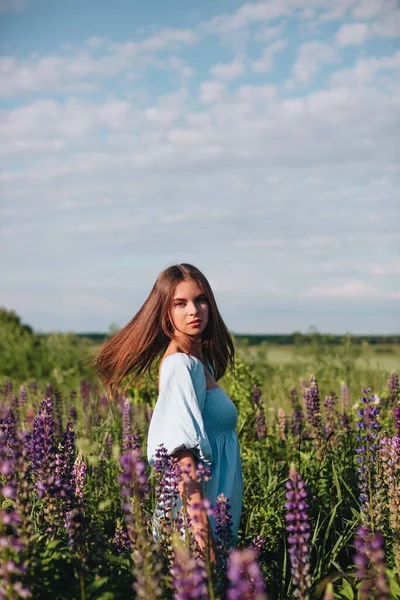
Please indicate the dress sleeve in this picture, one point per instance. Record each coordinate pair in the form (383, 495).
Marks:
(177, 420)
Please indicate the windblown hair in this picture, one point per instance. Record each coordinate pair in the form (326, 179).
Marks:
(133, 349)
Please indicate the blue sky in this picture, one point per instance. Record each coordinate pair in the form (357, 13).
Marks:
(258, 141)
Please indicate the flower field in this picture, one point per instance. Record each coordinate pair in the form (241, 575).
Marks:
(320, 446)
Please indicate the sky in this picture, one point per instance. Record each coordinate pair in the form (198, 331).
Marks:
(256, 141)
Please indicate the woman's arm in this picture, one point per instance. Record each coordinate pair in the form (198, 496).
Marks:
(189, 486)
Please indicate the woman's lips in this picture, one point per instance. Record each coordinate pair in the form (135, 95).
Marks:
(195, 323)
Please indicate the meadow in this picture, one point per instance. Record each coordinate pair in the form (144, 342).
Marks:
(319, 431)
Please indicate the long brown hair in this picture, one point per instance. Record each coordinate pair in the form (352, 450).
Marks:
(132, 350)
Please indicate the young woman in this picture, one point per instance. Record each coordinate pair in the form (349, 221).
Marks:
(193, 417)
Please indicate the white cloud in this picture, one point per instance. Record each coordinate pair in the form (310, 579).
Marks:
(269, 32)
(266, 61)
(353, 34)
(365, 71)
(368, 9)
(244, 16)
(211, 91)
(228, 71)
(311, 57)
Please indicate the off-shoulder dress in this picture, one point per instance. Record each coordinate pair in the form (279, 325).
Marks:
(187, 415)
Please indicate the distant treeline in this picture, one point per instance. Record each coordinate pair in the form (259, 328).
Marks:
(291, 339)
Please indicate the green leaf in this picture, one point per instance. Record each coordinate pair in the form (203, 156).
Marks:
(347, 590)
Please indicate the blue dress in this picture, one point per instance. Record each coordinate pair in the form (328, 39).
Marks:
(188, 416)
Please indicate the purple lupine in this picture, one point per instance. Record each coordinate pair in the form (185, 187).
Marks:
(85, 391)
(244, 576)
(393, 385)
(330, 413)
(73, 414)
(58, 412)
(8, 388)
(42, 441)
(11, 543)
(261, 429)
(258, 543)
(345, 396)
(64, 463)
(346, 425)
(126, 425)
(75, 522)
(298, 527)
(133, 478)
(33, 387)
(366, 450)
(103, 401)
(189, 578)
(134, 485)
(390, 461)
(370, 562)
(312, 402)
(223, 531)
(396, 418)
(66, 457)
(122, 542)
(281, 424)
(49, 391)
(22, 395)
(78, 477)
(297, 413)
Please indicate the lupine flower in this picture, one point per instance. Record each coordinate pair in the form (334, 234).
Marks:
(8, 387)
(133, 477)
(312, 402)
(75, 528)
(33, 387)
(393, 385)
(298, 527)
(345, 395)
(261, 429)
(66, 457)
(258, 543)
(133, 481)
(122, 542)
(367, 449)
(346, 423)
(73, 414)
(78, 476)
(42, 440)
(281, 424)
(390, 461)
(297, 413)
(370, 563)
(330, 413)
(396, 417)
(244, 576)
(223, 532)
(126, 425)
(203, 473)
(49, 391)
(189, 578)
(85, 391)
(22, 395)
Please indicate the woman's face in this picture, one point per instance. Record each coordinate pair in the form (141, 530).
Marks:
(189, 304)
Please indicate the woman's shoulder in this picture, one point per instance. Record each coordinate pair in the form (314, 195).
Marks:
(179, 362)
